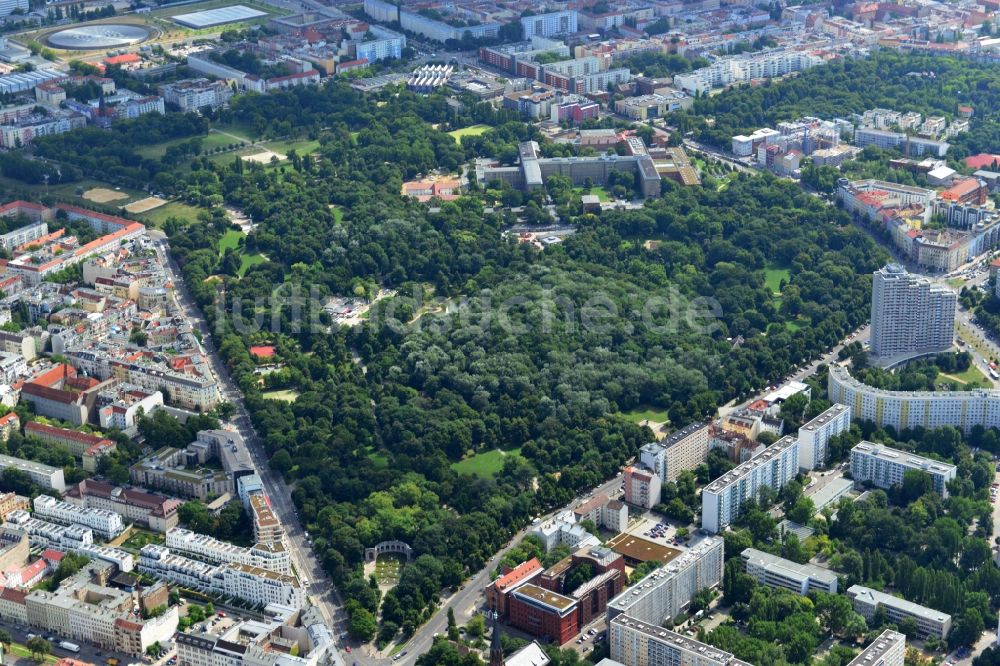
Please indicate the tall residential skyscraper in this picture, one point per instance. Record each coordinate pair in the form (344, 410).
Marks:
(910, 315)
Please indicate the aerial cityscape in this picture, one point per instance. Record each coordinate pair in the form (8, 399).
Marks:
(519, 333)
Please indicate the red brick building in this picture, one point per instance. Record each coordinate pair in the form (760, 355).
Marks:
(496, 593)
(543, 613)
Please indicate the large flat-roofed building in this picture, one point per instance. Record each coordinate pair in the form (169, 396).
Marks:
(667, 591)
(889, 649)
(266, 527)
(637, 643)
(722, 500)
(814, 436)
(496, 593)
(183, 471)
(549, 24)
(44, 475)
(930, 622)
(544, 613)
(774, 571)
(910, 315)
(685, 449)
(884, 467)
(530, 175)
(915, 409)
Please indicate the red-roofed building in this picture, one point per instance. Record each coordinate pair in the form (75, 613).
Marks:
(982, 161)
(966, 191)
(8, 424)
(352, 64)
(27, 576)
(496, 593)
(53, 557)
(123, 59)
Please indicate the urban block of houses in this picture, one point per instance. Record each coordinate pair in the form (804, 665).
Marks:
(183, 472)
(134, 506)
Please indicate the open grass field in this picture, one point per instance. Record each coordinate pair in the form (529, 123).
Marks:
(288, 395)
(141, 538)
(597, 191)
(388, 568)
(473, 130)
(971, 376)
(774, 276)
(230, 240)
(71, 193)
(485, 464)
(647, 413)
(145, 205)
(103, 195)
(158, 216)
(248, 260)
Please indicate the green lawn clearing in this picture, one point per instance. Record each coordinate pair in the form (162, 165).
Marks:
(970, 376)
(230, 240)
(474, 130)
(597, 191)
(248, 260)
(485, 464)
(773, 277)
(647, 413)
(141, 538)
(158, 216)
(288, 395)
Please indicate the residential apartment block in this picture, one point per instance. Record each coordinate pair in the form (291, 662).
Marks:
(284, 637)
(85, 446)
(79, 538)
(637, 643)
(549, 24)
(10, 502)
(722, 500)
(270, 556)
(135, 506)
(642, 487)
(884, 467)
(910, 315)
(83, 608)
(814, 436)
(683, 450)
(252, 584)
(667, 591)
(106, 524)
(44, 475)
(743, 69)
(266, 526)
(906, 144)
(889, 649)
(774, 571)
(929, 621)
(910, 409)
(196, 94)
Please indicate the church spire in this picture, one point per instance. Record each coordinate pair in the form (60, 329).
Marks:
(496, 649)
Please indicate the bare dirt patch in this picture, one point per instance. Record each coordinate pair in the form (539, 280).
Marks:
(103, 195)
(264, 157)
(143, 205)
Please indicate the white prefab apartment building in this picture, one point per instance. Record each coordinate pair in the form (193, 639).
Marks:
(102, 522)
(685, 449)
(814, 437)
(910, 315)
(912, 409)
(271, 556)
(889, 649)
(44, 475)
(774, 571)
(549, 24)
(667, 591)
(884, 467)
(930, 622)
(634, 643)
(722, 500)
